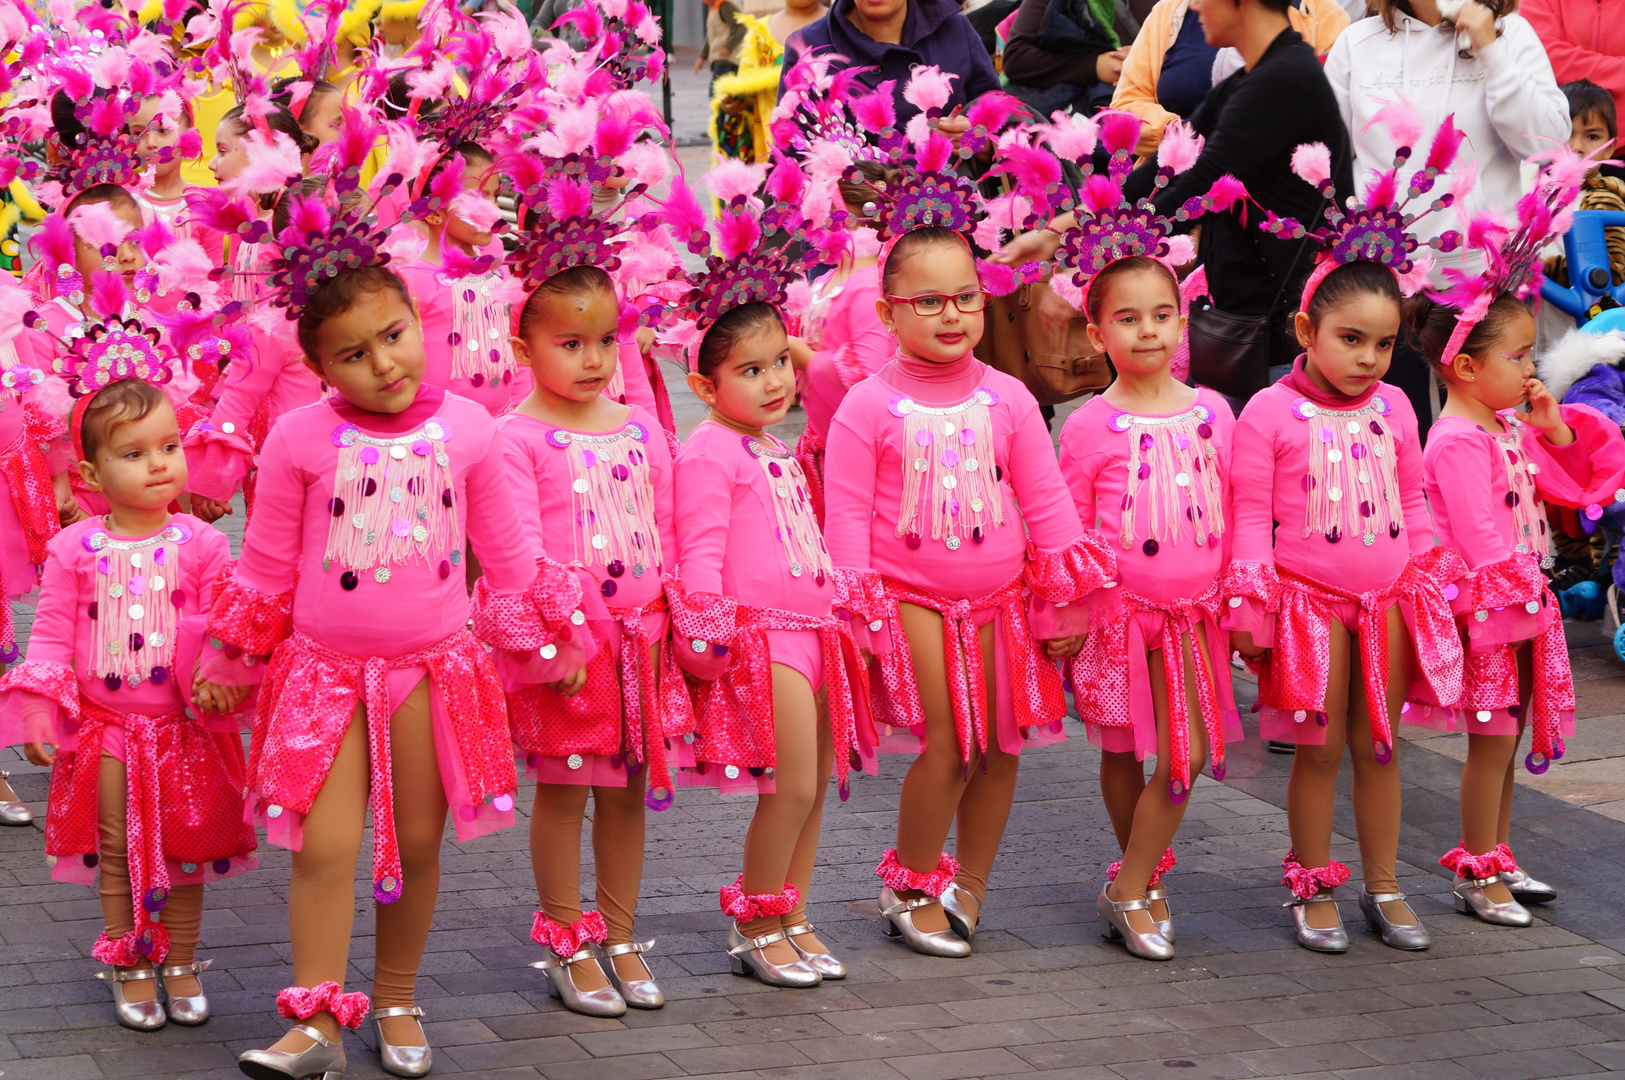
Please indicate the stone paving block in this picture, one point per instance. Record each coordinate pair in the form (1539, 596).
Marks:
(1610, 1056)
(982, 1036)
(1217, 1067)
(651, 1040)
(1011, 1007)
(1548, 1007)
(835, 1070)
(78, 1067)
(895, 1018)
(1417, 1049)
(1298, 1060)
(870, 1046)
(959, 1064)
(1529, 1065)
(716, 1060)
(521, 1053)
(1538, 1035)
(1324, 1029)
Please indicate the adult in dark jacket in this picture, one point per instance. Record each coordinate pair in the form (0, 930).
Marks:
(894, 36)
(1063, 53)
(1252, 122)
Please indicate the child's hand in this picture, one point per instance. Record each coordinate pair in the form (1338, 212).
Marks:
(571, 684)
(1242, 642)
(37, 754)
(214, 698)
(800, 353)
(208, 509)
(67, 507)
(1544, 415)
(1063, 646)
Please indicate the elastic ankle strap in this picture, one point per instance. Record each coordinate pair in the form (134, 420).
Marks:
(547, 963)
(798, 929)
(118, 976)
(395, 1010)
(176, 971)
(638, 947)
(911, 904)
(752, 944)
(311, 1033)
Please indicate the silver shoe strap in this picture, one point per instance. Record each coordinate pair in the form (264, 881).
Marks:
(553, 960)
(394, 1010)
(752, 944)
(311, 1033)
(911, 904)
(1386, 897)
(1324, 896)
(177, 971)
(1128, 905)
(798, 929)
(639, 947)
(1476, 883)
(116, 976)
(1159, 893)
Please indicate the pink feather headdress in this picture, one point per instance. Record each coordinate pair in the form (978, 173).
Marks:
(1377, 227)
(1512, 253)
(623, 39)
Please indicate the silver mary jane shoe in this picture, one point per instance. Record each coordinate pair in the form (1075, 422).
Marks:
(14, 812)
(190, 1011)
(898, 916)
(1114, 926)
(321, 1060)
(1333, 939)
(402, 1060)
(822, 962)
(1408, 936)
(637, 993)
(604, 1002)
(1165, 927)
(1470, 900)
(963, 911)
(1525, 889)
(137, 1015)
(745, 957)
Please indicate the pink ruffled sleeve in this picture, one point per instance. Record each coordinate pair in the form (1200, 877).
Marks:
(704, 630)
(703, 501)
(1250, 576)
(850, 465)
(219, 451)
(1587, 474)
(46, 408)
(1250, 591)
(1079, 467)
(1469, 475)
(39, 698)
(220, 663)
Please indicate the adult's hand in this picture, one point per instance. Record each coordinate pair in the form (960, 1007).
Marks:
(1109, 66)
(1477, 22)
(1039, 244)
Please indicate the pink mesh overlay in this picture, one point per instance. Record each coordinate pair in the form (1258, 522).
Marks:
(28, 475)
(745, 907)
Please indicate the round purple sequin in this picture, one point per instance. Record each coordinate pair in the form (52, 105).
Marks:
(113, 682)
(91, 860)
(1334, 535)
(154, 900)
(93, 609)
(949, 459)
(348, 580)
(421, 448)
(136, 642)
(160, 675)
(1144, 470)
(967, 436)
(1376, 428)
(476, 379)
(222, 865)
(370, 488)
(369, 455)
(1145, 441)
(976, 535)
(445, 497)
(1150, 547)
(445, 569)
(621, 473)
(616, 568)
(1357, 451)
(1366, 509)
(773, 469)
(104, 565)
(336, 505)
(1393, 531)
(922, 438)
(1511, 498)
(912, 540)
(608, 588)
(401, 528)
(588, 458)
(1205, 430)
(178, 597)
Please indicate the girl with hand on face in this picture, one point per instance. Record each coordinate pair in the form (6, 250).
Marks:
(941, 479)
(1503, 446)
(596, 477)
(754, 615)
(1341, 607)
(377, 693)
(167, 140)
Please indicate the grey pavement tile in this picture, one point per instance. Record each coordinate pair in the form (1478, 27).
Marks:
(77, 1067)
(959, 1064)
(869, 1046)
(1216, 1067)
(1529, 1065)
(1297, 1060)
(1547, 1007)
(983, 1036)
(1610, 1056)
(651, 1040)
(626, 1067)
(514, 1052)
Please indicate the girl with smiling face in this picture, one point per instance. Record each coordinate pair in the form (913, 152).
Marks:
(942, 487)
(377, 694)
(1148, 460)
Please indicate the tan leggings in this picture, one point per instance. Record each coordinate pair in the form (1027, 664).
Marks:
(1311, 793)
(321, 895)
(182, 914)
(782, 843)
(936, 793)
(1488, 779)
(1143, 817)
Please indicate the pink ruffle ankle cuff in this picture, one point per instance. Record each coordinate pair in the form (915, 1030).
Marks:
(1164, 864)
(897, 876)
(301, 1003)
(150, 944)
(1491, 864)
(565, 940)
(1306, 881)
(745, 907)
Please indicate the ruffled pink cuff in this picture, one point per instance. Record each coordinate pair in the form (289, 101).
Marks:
(1164, 864)
(254, 622)
(1589, 473)
(1491, 864)
(1306, 881)
(547, 611)
(300, 1003)
(1512, 582)
(48, 431)
(862, 595)
(704, 628)
(745, 907)
(566, 939)
(217, 461)
(150, 943)
(896, 876)
(1069, 575)
(1251, 592)
(39, 702)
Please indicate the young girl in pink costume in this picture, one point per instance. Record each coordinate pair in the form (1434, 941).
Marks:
(754, 617)
(1487, 469)
(376, 694)
(597, 476)
(1150, 460)
(926, 461)
(1341, 605)
(167, 141)
(147, 769)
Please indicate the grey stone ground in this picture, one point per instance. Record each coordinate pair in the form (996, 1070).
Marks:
(1042, 994)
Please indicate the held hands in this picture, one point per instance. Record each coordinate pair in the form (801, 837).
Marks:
(67, 507)
(1056, 648)
(571, 684)
(209, 510)
(214, 698)
(1040, 244)
(1544, 414)
(37, 754)
(1242, 642)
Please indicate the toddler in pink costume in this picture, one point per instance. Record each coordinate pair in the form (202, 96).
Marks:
(755, 615)
(597, 475)
(1150, 460)
(351, 579)
(926, 462)
(1341, 604)
(146, 787)
(1487, 469)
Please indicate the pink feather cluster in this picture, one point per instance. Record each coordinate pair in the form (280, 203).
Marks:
(273, 161)
(1445, 146)
(1180, 147)
(1071, 136)
(1312, 162)
(1400, 118)
(1119, 131)
(734, 179)
(99, 226)
(1098, 194)
(1226, 192)
(1032, 168)
(929, 88)
(567, 198)
(876, 111)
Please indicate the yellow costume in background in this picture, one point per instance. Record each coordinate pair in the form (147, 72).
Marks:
(744, 101)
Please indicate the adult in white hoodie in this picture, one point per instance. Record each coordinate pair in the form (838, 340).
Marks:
(1502, 92)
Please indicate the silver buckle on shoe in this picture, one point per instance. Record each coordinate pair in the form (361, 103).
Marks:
(755, 943)
(395, 1010)
(911, 904)
(115, 975)
(639, 947)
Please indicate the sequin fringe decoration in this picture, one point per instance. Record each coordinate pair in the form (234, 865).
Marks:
(136, 609)
(481, 351)
(613, 499)
(1175, 455)
(797, 527)
(946, 470)
(1522, 497)
(1351, 485)
(392, 502)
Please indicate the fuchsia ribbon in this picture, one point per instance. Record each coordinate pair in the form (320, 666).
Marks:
(640, 699)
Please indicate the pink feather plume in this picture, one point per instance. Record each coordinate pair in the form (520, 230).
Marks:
(929, 88)
(1381, 190)
(272, 161)
(1180, 146)
(54, 241)
(106, 294)
(99, 225)
(737, 234)
(1071, 136)
(993, 110)
(682, 211)
(1399, 117)
(1119, 131)
(1099, 194)
(1446, 144)
(1033, 169)
(876, 111)
(1313, 163)
(733, 178)
(1226, 192)
(567, 198)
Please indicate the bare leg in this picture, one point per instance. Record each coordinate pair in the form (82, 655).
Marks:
(113, 878)
(782, 816)
(1311, 792)
(806, 852)
(1376, 785)
(1156, 817)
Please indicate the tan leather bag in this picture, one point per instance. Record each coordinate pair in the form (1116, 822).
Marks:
(1056, 367)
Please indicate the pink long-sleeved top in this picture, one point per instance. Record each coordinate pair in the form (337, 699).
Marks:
(1162, 559)
(1285, 440)
(849, 344)
(406, 604)
(467, 325)
(33, 448)
(869, 453)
